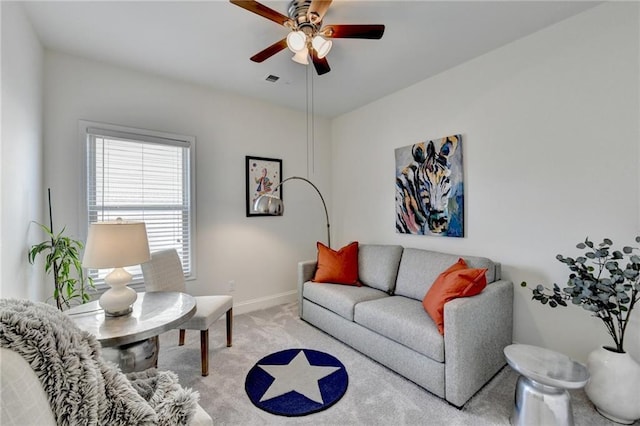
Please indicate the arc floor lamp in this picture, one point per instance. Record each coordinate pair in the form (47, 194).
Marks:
(272, 205)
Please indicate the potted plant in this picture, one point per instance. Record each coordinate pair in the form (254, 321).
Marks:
(606, 283)
(63, 259)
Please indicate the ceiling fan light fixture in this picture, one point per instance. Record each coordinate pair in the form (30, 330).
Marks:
(321, 46)
(301, 57)
(296, 41)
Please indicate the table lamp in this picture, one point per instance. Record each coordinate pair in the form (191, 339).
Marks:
(116, 244)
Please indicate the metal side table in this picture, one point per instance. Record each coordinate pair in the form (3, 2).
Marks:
(541, 396)
(131, 341)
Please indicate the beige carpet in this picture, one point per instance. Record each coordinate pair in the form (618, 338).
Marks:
(376, 395)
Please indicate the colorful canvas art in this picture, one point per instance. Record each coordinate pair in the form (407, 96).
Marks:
(429, 188)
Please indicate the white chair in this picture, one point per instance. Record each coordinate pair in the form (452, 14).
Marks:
(164, 273)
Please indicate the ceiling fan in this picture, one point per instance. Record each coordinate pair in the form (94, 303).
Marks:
(307, 36)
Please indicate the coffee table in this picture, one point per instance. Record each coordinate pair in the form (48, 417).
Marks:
(541, 391)
(131, 341)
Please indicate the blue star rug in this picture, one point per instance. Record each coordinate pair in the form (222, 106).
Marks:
(296, 382)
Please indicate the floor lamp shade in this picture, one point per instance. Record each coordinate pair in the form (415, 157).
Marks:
(269, 204)
(116, 244)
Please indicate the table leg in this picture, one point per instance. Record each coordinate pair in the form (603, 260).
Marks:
(137, 356)
(538, 404)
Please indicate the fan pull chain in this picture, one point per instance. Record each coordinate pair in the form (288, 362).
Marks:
(313, 126)
(306, 93)
(310, 122)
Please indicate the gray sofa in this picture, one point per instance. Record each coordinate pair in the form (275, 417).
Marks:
(385, 320)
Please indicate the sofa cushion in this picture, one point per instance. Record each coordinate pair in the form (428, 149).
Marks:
(420, 268)
(337, 266)
(378, 265)
(24, 401)
(340, 299)
(456, 281)
(402, 320)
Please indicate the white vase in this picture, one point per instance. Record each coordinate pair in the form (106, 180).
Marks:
(614, 386)
(632, 335)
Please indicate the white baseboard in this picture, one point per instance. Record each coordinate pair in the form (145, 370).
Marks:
(264, 302)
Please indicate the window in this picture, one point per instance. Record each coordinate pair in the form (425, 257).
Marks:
(142, 175)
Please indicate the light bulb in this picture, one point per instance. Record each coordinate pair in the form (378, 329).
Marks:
(321, 46)
(296, 41)
(302, 57)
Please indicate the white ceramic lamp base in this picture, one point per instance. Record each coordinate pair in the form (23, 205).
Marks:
(119, 298)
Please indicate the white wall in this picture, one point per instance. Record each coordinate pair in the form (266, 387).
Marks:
(21, 156)
(260, 254)
(550, 128)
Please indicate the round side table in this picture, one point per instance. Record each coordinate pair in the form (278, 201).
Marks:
(131, 340)
(541, 396)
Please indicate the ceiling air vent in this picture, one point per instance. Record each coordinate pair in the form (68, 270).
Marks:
(272, 78)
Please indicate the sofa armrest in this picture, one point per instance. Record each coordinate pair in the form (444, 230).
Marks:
(476, 330)
(306, 271)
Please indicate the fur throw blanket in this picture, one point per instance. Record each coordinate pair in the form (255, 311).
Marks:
(82, 388)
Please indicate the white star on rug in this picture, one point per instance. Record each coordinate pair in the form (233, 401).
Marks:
(298, 376)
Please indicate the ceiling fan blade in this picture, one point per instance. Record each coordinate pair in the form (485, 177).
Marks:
(321, 65)
(262, 10)
(270, 51)
(317, 9)
(354, 31)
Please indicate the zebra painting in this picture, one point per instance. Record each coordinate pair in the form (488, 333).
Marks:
(429, 188)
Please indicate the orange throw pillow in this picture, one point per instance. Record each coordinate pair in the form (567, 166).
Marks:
(338, 267)
(456, 281)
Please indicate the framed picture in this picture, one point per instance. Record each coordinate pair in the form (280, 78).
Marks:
(263, 175)
(430, 188)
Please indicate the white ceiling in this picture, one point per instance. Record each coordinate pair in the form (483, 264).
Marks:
(210, 42)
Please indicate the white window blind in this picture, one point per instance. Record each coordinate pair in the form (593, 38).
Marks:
(142, 176)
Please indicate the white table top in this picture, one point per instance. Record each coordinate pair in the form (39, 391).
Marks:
(153, 314)
(546, 366)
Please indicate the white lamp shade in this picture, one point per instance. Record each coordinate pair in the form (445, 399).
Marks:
(321, 46)
(116, 244)
(296, 41)
(301, 57)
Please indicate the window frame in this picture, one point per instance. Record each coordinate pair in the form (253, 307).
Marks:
(87, 128)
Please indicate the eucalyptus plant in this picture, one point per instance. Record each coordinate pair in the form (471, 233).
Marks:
(63, 260)
(603, 281)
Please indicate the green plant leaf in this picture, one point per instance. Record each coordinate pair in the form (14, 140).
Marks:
(598, 284)
(62, 260)
(611, 265)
